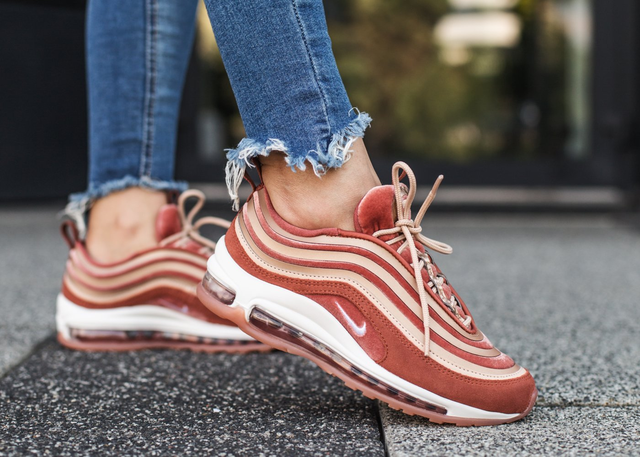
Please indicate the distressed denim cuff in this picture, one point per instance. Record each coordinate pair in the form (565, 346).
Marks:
(336, 152)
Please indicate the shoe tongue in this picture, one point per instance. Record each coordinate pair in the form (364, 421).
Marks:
(375, 211)
(167, 221)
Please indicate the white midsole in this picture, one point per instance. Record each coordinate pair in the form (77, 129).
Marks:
(139, 317)
(318, 323)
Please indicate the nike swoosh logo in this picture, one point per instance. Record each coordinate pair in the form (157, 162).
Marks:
(359, 330)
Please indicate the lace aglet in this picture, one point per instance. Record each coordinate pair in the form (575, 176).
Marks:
(436, 186)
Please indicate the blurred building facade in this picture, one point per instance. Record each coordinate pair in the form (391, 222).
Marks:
(518, 93)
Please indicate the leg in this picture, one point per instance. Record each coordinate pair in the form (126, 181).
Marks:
(292, 100)
(132, 285)
(137, 53)
(306, 201)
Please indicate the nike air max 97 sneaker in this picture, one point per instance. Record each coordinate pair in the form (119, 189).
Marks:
(148, 300)
(369, 306)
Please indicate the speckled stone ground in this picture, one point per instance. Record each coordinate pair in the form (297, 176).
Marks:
(567, 430)
(168, 402)
(558, 293)
(59, 402)
(561, 296)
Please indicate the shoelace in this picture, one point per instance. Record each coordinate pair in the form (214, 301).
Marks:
(409, 230)
(191, 230)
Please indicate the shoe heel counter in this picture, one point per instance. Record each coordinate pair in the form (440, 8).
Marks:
(232, 243)
(67, 282)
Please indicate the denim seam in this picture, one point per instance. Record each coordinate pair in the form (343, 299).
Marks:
(312, 63)
(146, 154)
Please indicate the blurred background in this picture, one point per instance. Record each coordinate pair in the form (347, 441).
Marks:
(522, 103)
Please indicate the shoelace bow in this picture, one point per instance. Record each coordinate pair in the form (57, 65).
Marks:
(409, 230)
(191, 230)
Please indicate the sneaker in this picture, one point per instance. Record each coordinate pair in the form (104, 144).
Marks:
(148, 300)
(355, 303)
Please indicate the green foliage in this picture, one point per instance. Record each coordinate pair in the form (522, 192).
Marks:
(470, 102)
(422, 104)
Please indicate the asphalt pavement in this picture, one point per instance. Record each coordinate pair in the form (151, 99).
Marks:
(559, 293)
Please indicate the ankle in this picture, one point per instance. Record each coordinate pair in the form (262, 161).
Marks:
(123, 223)
(311, 202)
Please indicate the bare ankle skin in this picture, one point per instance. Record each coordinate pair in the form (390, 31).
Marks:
(123, 223)
(308, 201)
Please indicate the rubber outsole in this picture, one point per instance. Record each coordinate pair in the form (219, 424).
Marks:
(77, 330)
(351, 380)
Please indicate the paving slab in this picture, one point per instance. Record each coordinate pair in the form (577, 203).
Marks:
(170, 402)
(559, 294)
(546, 431)
(32, 257)
(561, 298)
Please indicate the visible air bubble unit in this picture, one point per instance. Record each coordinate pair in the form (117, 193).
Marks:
(218, 290)
(267, 323)
(148, 336)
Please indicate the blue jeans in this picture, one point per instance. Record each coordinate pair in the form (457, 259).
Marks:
(278, 56)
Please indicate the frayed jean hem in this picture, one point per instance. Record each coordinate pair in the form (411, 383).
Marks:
(321, 159)
(80, 203)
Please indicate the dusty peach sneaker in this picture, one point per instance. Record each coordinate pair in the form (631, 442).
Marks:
(148, 300)
(370, 307)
